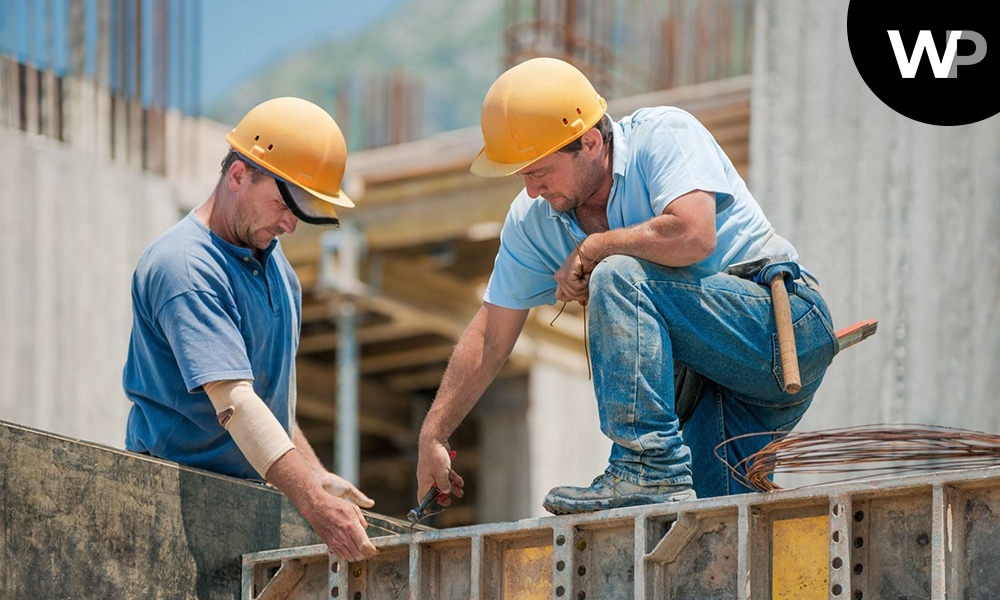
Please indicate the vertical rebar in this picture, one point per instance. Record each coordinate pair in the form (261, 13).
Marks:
(76, 24)
(136, 49)
(196, 58)
(102, 61)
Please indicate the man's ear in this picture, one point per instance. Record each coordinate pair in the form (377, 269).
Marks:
(592, 142)
(236, 174)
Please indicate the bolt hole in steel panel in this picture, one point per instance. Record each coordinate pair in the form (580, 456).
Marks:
(898, 546)
(707, 567)
(859, 556)
(446, 570)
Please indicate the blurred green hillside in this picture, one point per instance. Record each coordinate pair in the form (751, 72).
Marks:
(453, 47)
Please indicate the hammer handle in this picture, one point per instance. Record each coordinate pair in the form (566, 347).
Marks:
(786, 335)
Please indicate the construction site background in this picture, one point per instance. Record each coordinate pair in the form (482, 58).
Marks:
(897, 218)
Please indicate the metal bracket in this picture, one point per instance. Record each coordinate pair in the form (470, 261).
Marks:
(284, 580)
(684, 529)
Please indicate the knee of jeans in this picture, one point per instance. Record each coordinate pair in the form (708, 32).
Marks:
(614, 271)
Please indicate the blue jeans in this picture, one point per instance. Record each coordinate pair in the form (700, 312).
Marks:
(643, 316)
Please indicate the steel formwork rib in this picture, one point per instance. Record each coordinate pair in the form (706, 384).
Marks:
(916, 536)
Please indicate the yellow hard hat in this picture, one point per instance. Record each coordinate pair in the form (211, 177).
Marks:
(300, 145)
(533, 110)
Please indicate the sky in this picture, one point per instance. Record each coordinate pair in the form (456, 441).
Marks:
(237, 38)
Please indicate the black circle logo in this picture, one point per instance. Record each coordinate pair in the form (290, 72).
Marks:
(934, 62)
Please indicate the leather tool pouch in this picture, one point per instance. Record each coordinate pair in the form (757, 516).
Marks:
(688, 386)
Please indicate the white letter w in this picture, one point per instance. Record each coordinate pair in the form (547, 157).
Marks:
(941, 65)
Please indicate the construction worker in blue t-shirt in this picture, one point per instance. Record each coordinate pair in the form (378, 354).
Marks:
(217, 317)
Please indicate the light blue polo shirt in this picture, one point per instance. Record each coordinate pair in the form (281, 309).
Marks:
(659, 154)
(205, 310)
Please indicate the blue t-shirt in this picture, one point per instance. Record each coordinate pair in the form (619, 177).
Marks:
(205, 310)
(659, 154)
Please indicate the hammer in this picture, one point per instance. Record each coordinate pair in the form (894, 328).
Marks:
(771, 270)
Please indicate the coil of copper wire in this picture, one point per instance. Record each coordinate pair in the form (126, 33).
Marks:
(868, 451)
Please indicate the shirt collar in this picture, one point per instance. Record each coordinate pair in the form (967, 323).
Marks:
(237, 251)
(619, 148)
(552, 213)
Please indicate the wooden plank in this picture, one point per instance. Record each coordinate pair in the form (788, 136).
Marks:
(445, 305)
(455, 150)
(406, 358)
(424, 380)
(325, 411)
(320, 380)
(366, 335)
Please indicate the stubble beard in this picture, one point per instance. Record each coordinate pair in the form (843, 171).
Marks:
(590, 183)
(243, 228)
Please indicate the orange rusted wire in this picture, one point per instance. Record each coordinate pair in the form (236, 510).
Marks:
(866, 451)
(590, 267)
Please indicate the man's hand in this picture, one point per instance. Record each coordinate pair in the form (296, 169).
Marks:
(337, 522)
(434, 468)
(573, 279)
(341, 526)
(337, 486)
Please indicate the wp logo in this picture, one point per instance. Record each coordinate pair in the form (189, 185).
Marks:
(928, 61)
(944, 65)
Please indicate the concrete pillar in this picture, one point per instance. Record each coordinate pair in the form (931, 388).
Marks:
(504, 445)
(899, 220)
(567, 445)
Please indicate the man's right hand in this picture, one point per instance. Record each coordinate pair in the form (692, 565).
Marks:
(434, 468)
(341, 525)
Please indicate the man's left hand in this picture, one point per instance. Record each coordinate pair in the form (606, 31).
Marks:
(573, 279)
(339, 487)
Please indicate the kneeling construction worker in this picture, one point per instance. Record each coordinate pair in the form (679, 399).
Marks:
(637, 219)
(217, 316)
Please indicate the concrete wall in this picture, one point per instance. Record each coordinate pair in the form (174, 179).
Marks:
(899, 219)
(72, 227)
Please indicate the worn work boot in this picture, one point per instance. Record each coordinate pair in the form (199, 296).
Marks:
(608, 491)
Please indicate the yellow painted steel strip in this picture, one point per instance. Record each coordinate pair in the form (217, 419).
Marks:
(527, 573)
(800, 556)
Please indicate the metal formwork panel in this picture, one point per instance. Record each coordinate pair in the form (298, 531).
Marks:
(914, 537)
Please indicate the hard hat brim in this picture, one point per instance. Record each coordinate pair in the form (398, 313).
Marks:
(484, 167)
(309, 206)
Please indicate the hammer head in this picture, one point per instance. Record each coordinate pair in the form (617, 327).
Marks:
(749, 269)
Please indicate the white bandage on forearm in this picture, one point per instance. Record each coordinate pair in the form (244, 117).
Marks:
(254, 428)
